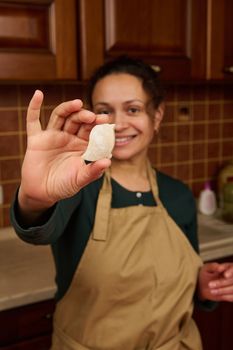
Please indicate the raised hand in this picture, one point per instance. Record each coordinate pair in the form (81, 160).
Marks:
(53, 168)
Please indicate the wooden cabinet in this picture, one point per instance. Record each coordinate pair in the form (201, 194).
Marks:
(38, 40)
(182, 39)
(216, 326)
(168, 34)
(220, 43)
(56, 39)
(28, 327)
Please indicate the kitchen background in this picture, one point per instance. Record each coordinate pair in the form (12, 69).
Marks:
(55, 45)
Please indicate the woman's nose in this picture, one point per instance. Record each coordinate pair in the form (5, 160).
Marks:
(119, 120)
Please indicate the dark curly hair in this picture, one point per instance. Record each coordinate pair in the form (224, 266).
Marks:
(132, 66)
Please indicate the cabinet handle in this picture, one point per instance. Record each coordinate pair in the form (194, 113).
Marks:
(48, 316)
(157, 69)
(228, 70)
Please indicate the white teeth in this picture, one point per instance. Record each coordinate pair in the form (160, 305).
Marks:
(122, 139)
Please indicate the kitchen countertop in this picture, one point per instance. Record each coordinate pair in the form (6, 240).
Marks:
(215, 237)
(27, 272)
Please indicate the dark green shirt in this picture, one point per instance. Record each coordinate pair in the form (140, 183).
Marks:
(71, 222)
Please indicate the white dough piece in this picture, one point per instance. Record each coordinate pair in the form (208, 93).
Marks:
(101, 142)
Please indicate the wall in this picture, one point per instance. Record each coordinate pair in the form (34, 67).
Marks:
(195, 140)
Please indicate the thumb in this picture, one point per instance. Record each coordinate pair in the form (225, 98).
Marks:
(33, 113)
(213, 268)
(92, 171)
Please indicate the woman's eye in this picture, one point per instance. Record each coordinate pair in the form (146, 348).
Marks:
(133, 110)
(103, 111)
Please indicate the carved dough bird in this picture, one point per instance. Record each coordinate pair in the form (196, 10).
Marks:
(101, 142)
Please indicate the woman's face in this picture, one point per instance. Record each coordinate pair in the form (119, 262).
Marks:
(122, 97)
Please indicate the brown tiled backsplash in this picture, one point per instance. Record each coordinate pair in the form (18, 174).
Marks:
(194, 142)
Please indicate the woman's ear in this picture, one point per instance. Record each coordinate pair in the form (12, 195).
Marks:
(158, 117)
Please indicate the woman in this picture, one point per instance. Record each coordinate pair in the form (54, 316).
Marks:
(123, 235)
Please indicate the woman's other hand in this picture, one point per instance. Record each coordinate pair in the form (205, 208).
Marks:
(53, 168)
(215, 282)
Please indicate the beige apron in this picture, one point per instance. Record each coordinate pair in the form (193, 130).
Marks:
(133, 288)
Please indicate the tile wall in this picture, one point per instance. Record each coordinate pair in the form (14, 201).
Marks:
(194, 142)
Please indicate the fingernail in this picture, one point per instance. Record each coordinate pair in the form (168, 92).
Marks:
(212, 285)
(228, 274)
(214, 291)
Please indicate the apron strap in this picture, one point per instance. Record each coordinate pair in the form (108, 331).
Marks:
(152, 175)
(102, 210)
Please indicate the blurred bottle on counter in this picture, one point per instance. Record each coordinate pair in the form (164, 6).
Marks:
(207, 203)
(227, 210)
(225, 173)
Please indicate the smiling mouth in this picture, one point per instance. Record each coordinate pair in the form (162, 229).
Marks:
(120, 141)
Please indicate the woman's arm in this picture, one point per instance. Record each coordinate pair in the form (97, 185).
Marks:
(50, 226)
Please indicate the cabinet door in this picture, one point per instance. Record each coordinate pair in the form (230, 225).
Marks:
(38, 40)
(168, 34)
(27, 323)
(227, 326)
(42, 343)
(209, 324)
(216, 326)
(220, 53)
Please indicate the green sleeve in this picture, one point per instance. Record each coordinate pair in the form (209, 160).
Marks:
(52, 229)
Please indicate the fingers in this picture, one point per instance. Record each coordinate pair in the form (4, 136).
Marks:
(33, 113)
(74, 122)
(223, 293)
(81, 123)
(73, 119)
(219, 274)
(213, 268)
(221, 282)
(222, 288)
(84, 130)
(63, 111)
(228, 298)
(92, 171)
(228, 273)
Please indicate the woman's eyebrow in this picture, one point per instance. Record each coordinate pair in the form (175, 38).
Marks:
(134, 100)
(101, 104)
